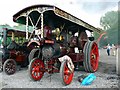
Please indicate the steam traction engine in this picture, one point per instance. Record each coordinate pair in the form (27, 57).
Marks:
(61, 43)
(14, 51)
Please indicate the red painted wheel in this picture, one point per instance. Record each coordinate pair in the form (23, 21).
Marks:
(82, 39)
(36, 69)
(91, 56)
(65, 73)
(9, 66)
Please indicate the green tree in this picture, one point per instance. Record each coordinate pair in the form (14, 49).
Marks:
(109, 22)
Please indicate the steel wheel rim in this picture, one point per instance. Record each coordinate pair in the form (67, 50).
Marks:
(10, 67)
(94, 57)
(67, 74)
(37, 66)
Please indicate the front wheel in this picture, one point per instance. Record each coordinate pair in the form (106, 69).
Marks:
(91, 56)
(36, 69)
(65, 73)
(9, 66)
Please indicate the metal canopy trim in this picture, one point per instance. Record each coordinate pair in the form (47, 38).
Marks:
(73, 19)
(58, 12)
(26, 11)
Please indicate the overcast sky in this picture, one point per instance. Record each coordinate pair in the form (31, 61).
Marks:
(87, 10)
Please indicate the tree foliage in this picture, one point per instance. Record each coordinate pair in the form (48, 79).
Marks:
(109, 22)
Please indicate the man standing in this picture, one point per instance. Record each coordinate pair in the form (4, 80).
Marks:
(108, 49)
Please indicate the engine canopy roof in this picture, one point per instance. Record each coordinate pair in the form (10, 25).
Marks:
(54, 14)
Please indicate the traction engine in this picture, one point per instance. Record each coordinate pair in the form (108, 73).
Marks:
(60, 42)
(57, 44)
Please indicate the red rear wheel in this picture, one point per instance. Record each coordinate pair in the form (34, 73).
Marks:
(94, 56)
(91, 55)
(65, 73)
(36, 69)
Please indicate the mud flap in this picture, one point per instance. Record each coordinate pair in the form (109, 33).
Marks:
(69, 62)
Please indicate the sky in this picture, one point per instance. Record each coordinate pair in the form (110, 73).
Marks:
(88, 10)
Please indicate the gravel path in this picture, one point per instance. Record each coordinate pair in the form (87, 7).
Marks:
(106, 77)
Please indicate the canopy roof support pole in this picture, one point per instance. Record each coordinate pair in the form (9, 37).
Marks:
(27, 26)
(12, 38)
(42, 25)
(37, 21)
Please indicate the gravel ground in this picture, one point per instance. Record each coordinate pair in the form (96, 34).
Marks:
(106, 77)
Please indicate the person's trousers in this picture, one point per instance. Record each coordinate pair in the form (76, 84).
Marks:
(108, 52)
